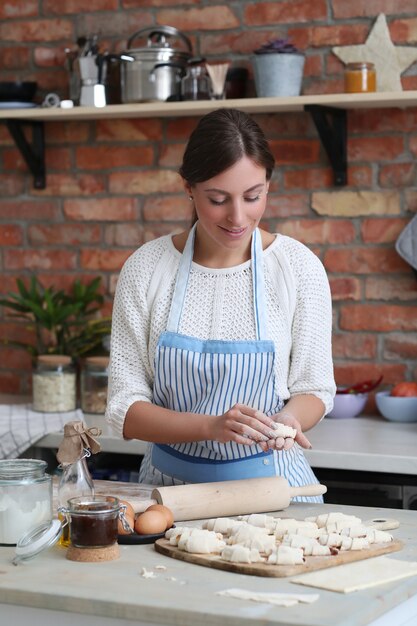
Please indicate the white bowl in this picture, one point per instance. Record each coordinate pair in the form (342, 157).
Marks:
(348, 405)
(396, 408)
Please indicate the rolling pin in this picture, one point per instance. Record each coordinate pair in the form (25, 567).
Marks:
(231, 497)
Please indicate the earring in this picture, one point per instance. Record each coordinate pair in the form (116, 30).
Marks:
(190, 198)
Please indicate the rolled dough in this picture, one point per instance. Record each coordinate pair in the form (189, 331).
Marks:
(359, 575)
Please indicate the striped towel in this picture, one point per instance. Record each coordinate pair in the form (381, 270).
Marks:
(20, 427)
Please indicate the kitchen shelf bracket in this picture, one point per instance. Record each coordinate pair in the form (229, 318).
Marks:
(34, 152)
(331, 125)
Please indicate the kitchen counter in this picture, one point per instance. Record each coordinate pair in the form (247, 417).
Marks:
(363, 443)
(370, 444)
(50, 589)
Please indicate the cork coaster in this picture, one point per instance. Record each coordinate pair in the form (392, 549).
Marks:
(93, 555)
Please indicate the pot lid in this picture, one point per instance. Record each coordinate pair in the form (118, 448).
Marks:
(36, 540)
(159, 38)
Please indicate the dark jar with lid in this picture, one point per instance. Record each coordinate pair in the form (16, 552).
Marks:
(94, 381)
(93, 521)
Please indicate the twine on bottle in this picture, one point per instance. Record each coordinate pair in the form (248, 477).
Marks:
(77, 438)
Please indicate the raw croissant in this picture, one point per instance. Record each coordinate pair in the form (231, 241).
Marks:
(264, 543)
(285, 555)
(298, 541)
(281, 430)
(354, 543)
(260, 520)
(245, 532)
(378, 536)
(240, 554)
(221, 525)
(203, 543)
(330, 518)
(290, 525)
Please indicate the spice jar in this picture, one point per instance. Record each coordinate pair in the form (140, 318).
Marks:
(93, 521)
(54, 384)
(94, 379)
(25, 497)
(360, 78)
(196, 84)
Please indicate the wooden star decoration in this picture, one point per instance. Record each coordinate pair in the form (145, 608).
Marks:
(390, 61)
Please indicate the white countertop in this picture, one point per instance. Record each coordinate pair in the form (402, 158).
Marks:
(185, 594)
(363, 443)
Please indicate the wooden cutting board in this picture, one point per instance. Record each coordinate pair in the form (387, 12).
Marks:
(277, 571)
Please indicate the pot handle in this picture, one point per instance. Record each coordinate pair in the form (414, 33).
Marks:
(171, 31)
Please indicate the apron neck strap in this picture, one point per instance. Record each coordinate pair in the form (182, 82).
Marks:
(258, 284)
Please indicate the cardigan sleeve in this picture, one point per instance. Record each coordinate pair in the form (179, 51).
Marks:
(130, 374)
(311, 365)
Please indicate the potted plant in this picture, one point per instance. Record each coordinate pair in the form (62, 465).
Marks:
(62, 322)
(278, 69)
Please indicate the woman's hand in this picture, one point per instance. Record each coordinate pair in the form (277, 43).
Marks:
(281, 443)
(242, 424)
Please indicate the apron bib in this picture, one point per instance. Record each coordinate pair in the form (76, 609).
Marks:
(209, 377)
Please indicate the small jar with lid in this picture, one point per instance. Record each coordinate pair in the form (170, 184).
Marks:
(25, 497)
(93, 521)
(196, 84)
(54, 384)
(360, 78)
(94, 380)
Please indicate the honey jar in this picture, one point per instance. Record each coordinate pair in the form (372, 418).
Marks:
(360, 78)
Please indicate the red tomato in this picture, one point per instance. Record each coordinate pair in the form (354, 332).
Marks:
(405, 389)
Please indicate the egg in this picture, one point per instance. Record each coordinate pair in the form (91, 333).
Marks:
(130, 511)
(150, 523)
(169, 516)
(130, 518)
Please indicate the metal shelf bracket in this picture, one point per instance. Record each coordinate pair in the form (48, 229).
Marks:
(331, 125)
(34, 152)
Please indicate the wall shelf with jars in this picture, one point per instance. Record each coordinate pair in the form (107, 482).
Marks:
(328, 111)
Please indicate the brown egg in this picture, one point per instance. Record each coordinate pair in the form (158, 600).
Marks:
(150, 523)
(130, 520)
(169, 516)
(130, 511)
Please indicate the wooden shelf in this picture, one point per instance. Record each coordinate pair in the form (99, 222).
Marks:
(401, 99)
(327, 111)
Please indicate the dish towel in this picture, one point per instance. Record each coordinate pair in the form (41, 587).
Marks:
(20, 427)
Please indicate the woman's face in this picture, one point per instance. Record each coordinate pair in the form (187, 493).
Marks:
(230, 205)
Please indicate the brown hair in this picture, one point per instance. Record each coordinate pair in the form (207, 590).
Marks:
(221, 139)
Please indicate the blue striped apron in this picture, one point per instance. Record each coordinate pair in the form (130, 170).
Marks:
(209, 377)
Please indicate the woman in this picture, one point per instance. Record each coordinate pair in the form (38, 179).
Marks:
(220, 332)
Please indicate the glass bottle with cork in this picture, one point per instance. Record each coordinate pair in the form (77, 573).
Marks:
(77, 445)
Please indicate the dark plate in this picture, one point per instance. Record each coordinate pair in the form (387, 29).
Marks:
(17, 91)
(135, 539)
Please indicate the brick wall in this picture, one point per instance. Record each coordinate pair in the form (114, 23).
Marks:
(113, 185)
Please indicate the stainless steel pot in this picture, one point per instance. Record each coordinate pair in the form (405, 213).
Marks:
(154, 72)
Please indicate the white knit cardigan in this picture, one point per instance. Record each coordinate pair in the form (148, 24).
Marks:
(219, 305)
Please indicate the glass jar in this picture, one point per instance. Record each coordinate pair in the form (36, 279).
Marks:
(25, 497)
(360, 78)
(54, 384)
(93, 521)
(196, 84)
(94, 379)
